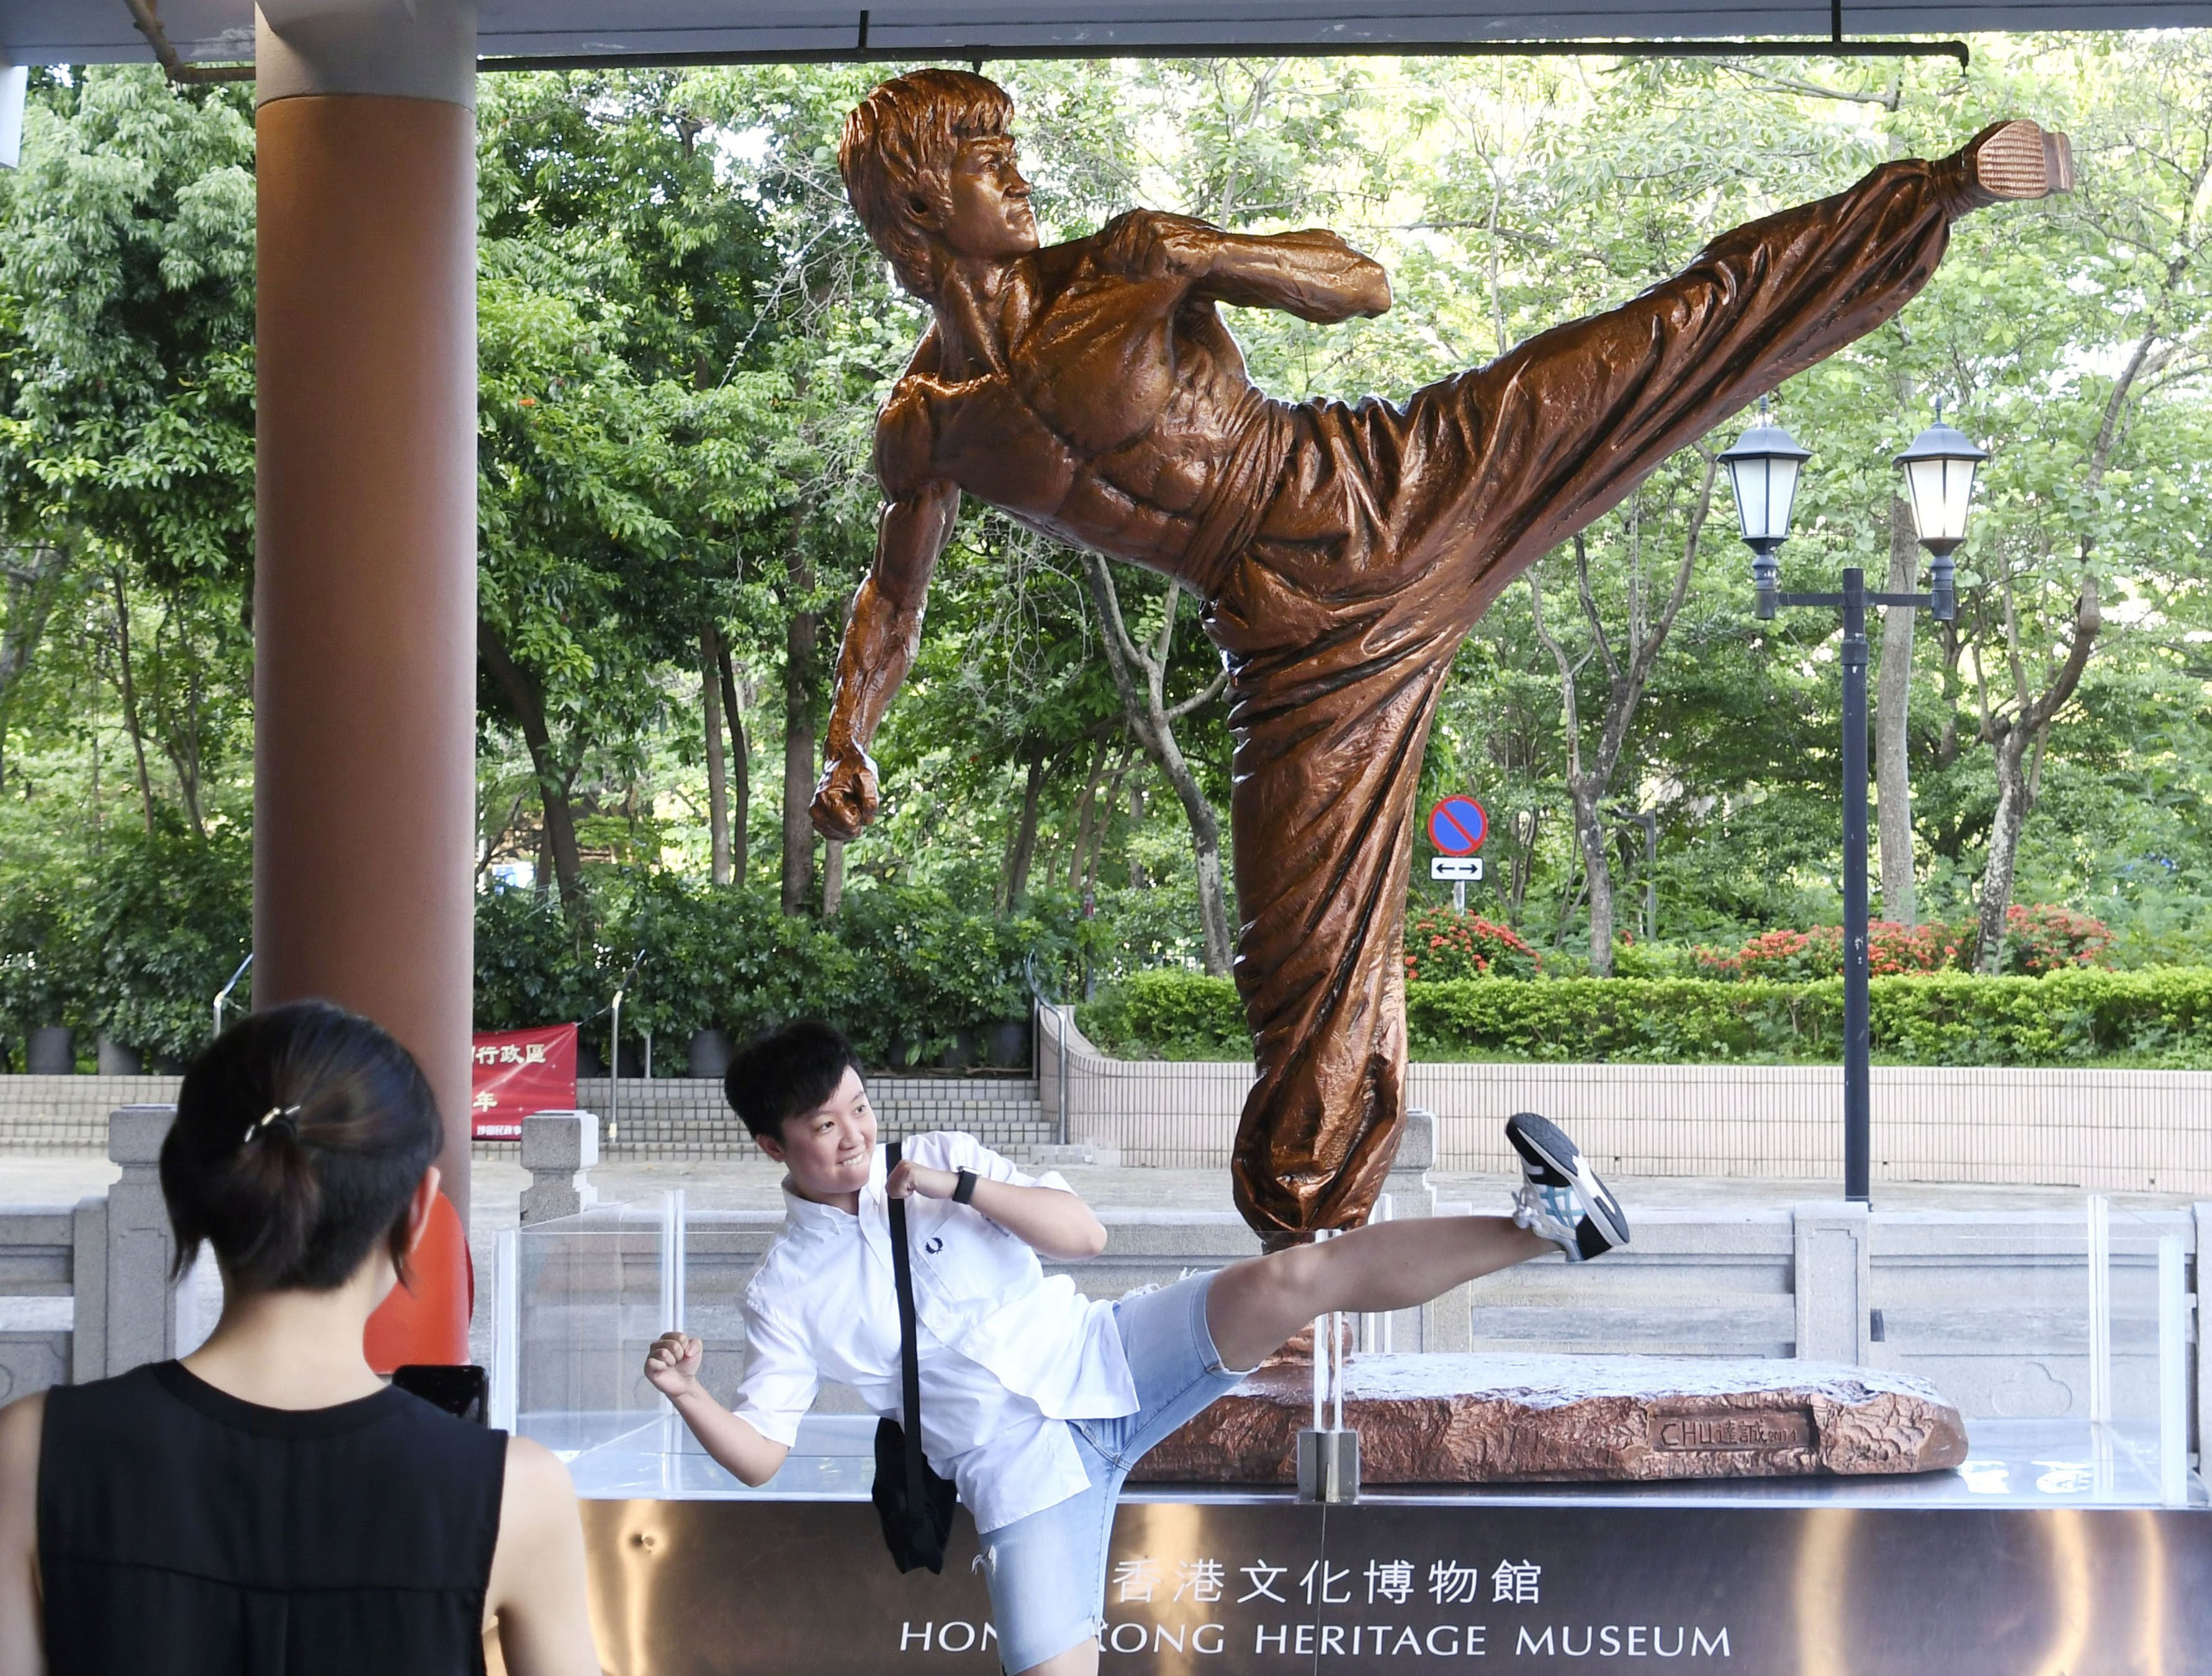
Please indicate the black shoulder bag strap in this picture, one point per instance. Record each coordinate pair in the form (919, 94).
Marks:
(916, 1524)
(909, 1354)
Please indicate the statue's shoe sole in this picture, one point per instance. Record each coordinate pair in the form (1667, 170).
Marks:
(2020, 161)
(1553, 1159)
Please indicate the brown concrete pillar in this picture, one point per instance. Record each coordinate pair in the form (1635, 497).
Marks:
(365, 583)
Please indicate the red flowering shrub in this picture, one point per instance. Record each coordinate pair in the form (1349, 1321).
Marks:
(2047, 937)
(2039, 939)
(1441, 945)
(1892, 948)
(1781, 955)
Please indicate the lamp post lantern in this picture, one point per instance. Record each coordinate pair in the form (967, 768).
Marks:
(1764, 468)
(1939, 480)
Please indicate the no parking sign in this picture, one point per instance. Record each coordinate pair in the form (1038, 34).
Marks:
(1457, 826)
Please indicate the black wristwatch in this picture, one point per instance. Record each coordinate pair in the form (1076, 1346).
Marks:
(966, 1189)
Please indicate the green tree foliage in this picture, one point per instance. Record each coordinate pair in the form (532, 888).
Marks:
(685, 335)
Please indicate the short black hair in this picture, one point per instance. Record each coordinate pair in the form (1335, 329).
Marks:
(787, 1072)
(301, 1134)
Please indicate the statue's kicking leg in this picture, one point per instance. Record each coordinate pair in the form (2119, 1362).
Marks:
(1390, 532)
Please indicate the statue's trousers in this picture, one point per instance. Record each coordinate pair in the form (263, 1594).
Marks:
(1386, 531)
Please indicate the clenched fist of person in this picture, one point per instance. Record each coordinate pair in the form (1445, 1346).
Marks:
(671, 1365)
(911, 1180)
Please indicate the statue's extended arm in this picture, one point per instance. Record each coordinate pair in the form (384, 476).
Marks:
(1579, 416)
(880, 638)
(1312, 274)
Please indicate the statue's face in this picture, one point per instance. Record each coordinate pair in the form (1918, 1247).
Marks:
(988, 210)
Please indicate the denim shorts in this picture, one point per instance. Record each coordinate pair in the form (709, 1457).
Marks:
(1047, 1573)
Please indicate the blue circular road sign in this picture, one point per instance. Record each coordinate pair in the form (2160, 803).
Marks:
(1457, 826)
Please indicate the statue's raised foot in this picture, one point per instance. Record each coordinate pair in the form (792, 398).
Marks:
(2017, 161)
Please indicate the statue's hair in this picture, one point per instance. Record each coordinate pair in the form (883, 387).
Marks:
(898, 145)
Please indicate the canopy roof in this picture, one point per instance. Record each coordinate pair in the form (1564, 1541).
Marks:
(102, 31)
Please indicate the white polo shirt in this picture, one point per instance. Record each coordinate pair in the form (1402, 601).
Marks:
(1005, 1354)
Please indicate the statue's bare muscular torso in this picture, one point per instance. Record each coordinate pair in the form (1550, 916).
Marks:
(1095, 394)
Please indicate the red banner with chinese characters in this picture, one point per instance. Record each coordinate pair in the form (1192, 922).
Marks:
(520, 1072)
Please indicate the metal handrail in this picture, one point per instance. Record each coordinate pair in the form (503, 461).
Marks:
(614, 1049)
(222, 995)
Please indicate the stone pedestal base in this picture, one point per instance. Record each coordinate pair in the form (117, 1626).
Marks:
(1503, 1419)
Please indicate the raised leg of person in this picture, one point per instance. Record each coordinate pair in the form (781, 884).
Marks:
(1255, 1305)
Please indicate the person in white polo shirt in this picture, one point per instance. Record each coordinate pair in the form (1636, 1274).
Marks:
(1036, 1400)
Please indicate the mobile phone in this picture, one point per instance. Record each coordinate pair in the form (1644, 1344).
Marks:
(464, 1391)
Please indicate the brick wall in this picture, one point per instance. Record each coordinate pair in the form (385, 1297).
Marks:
(70, 1114)
(669, 1117)
(681, 1117)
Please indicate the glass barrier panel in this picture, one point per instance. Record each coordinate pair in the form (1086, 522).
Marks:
(591, 1293)
(2041, 1325)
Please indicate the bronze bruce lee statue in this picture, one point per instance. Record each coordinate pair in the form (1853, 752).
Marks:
(1343, 550)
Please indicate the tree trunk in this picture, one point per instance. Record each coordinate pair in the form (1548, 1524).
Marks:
(181, 744)
(2014, 802)
(1140, 676)
(802, 638)
(1086, 809)
(2016, 741)
(1625, 681)
(2010, 739)
(1584, 791)
(741, 765)
(1520, 865)
(31, 591)
(1025, 831)
(1892, 704)
(131, 697)
(833, 877)
(1101, 820)
(718, 785)
(559, 820)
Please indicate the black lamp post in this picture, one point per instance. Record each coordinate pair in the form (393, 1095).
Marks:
(1764, 469)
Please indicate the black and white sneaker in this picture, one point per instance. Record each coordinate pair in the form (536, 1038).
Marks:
(1561, 1198)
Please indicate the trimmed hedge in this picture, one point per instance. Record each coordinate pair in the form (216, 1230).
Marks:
(900, 970)
(135, 949)
(2162, 1016)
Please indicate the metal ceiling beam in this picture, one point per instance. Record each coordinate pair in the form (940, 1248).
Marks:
(145, 13)
(980, 52)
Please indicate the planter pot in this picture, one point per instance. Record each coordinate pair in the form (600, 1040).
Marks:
(588, 1062)
(1006, 1044)
(633, 1059)
(961, 1055)
(166, 1064)
(904, 1054)
(51, 1050)
(709, 1054)
(116, 1060)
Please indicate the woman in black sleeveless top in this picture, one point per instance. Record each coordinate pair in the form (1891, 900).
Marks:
(268, 1506)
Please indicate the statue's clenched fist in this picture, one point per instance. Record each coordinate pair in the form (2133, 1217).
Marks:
(2011, 161)
(846, 798)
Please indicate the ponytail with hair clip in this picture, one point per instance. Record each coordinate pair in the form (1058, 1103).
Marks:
(287, 1115)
